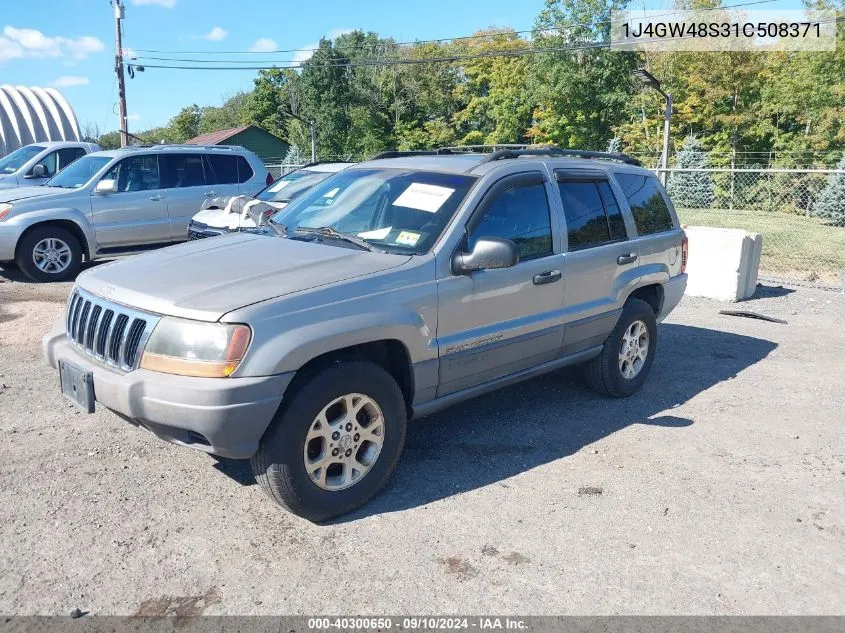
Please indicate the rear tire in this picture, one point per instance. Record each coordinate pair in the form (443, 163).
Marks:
(49, 253)
(628, 352)
(354, 408)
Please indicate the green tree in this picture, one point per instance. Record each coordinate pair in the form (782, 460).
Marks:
(692, 189)
(831, 201)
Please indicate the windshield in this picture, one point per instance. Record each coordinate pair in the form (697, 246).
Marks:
(293, 184)
(14, 161)
(79, 172)
(400, 210)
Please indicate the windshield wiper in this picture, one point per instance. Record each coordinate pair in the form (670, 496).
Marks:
(280, 229)
(327, 231)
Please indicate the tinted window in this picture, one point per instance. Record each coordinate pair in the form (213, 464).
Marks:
(68, 155)
(182, 170)
(225, 169)
(138, 173)
(614, 214)
(244, 170)
(520, 214)
(586, 220)
(651, 215)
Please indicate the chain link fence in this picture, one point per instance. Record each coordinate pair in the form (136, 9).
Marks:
(799, 212)
(281, 169)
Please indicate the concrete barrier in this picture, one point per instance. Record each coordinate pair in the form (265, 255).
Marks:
(723, 263)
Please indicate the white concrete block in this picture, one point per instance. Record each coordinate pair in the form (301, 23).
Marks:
(723, 263)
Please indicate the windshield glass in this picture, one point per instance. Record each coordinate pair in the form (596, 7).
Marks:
(293, 184)
(79, 172)
(14, 161)
(400, 210)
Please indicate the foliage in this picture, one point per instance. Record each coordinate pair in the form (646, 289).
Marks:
(692, 189)
(294, 156)
(831, 201)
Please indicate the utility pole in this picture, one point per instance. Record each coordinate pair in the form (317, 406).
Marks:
(119, 15)
(647, 79)
(313, 128)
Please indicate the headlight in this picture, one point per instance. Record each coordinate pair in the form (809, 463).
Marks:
(194, 348)
(5, 209)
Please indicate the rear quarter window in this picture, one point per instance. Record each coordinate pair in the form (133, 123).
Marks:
(649, 208)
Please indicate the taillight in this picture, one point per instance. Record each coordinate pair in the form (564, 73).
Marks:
(684, 254)
(270, 179)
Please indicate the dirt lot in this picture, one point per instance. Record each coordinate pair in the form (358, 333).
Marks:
(716, 490)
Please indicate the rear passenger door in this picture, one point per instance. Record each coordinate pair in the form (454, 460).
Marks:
(189, 182)
(600, 258)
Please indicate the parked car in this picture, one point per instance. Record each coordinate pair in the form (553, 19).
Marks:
(35, 164)
(117, 203)
(234, 213)
(390, 290)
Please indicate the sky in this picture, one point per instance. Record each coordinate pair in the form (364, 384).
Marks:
(69, 44)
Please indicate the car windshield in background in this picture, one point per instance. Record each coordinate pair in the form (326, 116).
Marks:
(293, 184)
(78, 172)
(14, 161)
(400, 210)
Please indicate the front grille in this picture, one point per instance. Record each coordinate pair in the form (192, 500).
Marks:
(108, 332)
(199, 230)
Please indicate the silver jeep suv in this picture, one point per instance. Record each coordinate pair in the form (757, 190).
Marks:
(392, 289)
(118, 202)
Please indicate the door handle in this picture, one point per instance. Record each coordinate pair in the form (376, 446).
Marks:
(209, 194)
(630, 258)
(548, 277)
(156, 198)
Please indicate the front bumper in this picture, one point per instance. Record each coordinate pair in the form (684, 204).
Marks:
(9, 235)
(222, 416)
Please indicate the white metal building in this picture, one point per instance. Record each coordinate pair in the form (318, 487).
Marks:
(34, 115)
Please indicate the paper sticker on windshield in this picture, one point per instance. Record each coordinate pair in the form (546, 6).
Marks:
(378, 234)
(332, 193)
(279, 185)
(423, 197)
(407, 238)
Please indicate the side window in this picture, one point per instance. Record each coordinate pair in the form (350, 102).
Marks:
(586, 220)
(49, 162)
(225, 169)
(651, 215)
(244, 170)
(137, 173)
(519, 213)
(614, 214)
(182, 170)
(68, 155)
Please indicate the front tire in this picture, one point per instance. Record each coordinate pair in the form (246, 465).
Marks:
(334, 445)
(49, 253)
(625, 360)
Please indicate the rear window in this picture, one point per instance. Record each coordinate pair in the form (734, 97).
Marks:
(651, 214)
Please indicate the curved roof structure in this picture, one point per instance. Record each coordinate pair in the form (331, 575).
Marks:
(34, 115)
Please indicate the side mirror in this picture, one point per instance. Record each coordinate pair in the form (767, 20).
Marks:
(488, 253)
(106, 186)
(39, 171)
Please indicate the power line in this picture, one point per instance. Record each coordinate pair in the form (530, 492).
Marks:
(493, 34)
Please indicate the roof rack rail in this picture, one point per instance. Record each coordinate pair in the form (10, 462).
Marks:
(195, 147)
(557, 151)
(492, 146)
(414, 152)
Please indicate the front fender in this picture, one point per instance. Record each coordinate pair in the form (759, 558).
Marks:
(29, 219)
(278, 350)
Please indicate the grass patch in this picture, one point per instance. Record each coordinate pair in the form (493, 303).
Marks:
(794, 246)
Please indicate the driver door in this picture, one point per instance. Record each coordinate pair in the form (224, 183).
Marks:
(492, 323)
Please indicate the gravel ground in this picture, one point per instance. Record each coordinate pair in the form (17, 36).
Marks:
(716, 490)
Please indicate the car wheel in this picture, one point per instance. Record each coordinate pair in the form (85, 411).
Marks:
(49, 253)
(334, 445)
(628, 352)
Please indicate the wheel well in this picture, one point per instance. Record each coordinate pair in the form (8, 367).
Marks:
(651, 294)
(391, 355)
(68, 225)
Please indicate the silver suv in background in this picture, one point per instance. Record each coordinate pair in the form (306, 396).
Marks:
(388, 291)
(118, 202)
(35, 164)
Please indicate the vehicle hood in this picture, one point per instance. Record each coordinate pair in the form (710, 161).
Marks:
(8, 181)
(24, 193)
(205, 279)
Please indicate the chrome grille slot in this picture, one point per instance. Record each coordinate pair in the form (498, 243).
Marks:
(110, 333)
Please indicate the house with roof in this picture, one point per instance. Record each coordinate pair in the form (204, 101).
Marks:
(269, 147)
